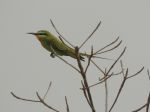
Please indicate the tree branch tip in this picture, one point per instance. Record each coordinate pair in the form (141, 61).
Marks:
(125, 47)
(39, 96)
(13, 94)
(116, 39)
(100, 22)
(37, 93)
(127, 71)
(92, 47)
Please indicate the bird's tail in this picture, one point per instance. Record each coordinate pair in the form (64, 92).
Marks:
(82, 55)
(88, 55)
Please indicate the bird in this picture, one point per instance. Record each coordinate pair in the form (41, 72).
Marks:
(56, 46)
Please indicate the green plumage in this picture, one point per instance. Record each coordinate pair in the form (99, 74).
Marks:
(55, 45)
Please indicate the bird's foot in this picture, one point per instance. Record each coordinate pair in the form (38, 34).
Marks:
(52, 55)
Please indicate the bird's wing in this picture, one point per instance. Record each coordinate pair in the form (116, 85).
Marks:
(61, 48)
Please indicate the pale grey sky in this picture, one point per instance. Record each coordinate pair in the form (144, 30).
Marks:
(26, 67)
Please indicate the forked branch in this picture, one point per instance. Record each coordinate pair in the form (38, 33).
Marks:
(84, 77)
(40, 99)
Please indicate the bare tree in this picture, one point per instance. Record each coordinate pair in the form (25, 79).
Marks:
(107, 74)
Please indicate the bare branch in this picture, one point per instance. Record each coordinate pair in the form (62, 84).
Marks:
(99, 57)
(41, 100)
(65, 60)
(106, 96)
(45, 104)
(90, 35)
(89, 59)
(79, 62)
(111, 48)
(68, 64)
(137, 110)
(148, 74)
(106, 93)
(145, 105)
(136, 73)
(148, 103)
(85, 94)
(84, 78)
(107, 46)
(98, 67)
(106, 77)
(117, 73)
(47, 90)
(101, 81)
(61, 39)
(60, 36)
(121, 64)
(67, 106)
(120, 89)
(24, 99)
(116, 61)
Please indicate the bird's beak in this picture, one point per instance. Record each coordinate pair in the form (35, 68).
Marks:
(33, 33)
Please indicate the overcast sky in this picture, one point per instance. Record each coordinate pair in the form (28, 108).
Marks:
(26, 67)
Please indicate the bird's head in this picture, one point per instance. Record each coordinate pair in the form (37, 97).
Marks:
(41, 34)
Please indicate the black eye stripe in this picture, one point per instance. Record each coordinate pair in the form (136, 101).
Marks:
(42, 34)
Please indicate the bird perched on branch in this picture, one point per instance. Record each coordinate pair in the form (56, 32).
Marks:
(55, 45)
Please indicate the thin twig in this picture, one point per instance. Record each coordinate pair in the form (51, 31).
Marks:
(107, 71)
(148, 103)
(111, 48)
(60, 36)
(90, 34)
(64, 60)
(120, 89)
(89, 60)
(99, 57)
(137, 110)
(45, 104)
(85, 94)
(47, 90)
(68, 63)
(136, 73)
(107, 45)
(24, 99)
(106, 96)
(117, 73)
(97, 67)
(101, 81)
(41, 100)
(108, 76)
(79, 62)
(148, 74)
(67, 106)
(106, 93)
(145, 105)
(116, 61)
(61, 39)
(121, 64)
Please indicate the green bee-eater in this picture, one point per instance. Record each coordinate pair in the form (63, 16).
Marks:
(55, 45)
